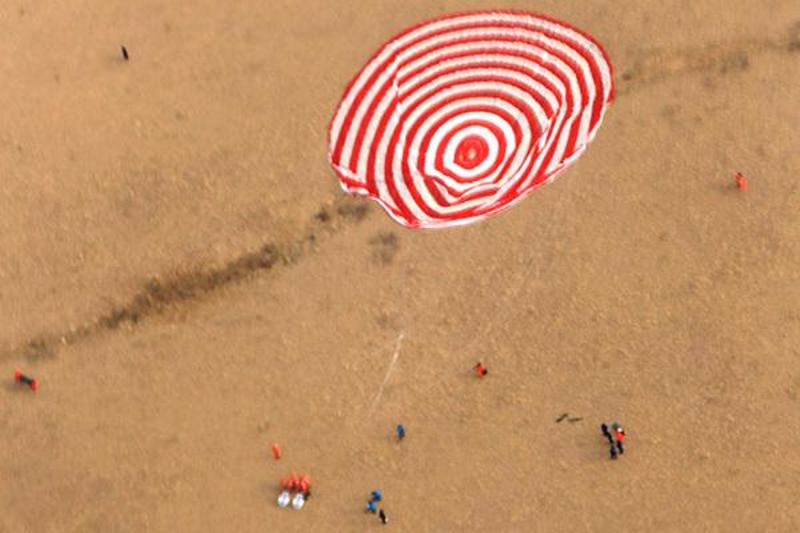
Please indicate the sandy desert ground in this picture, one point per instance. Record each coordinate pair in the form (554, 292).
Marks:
(180, 270)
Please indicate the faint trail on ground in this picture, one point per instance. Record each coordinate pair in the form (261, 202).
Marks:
(160, 294)
(659, 65)
(396, 355)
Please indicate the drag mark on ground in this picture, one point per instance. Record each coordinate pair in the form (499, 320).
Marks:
(160, 294)
(659, 65)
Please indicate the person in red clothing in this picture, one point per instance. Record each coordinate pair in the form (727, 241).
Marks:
(619, 437)
(741, 181)
(481, 370)
(304, 484)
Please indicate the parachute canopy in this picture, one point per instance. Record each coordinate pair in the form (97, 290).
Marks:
(460, 117)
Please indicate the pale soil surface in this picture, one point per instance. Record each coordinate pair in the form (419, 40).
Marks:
(639, 287)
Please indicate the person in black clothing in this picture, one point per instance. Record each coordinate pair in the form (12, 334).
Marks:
(606, 433)
(612, 450)
(383, 517)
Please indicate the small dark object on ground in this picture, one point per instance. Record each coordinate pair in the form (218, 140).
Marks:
(562, 417)
(575, 419)
(125, 53)
(323, 215)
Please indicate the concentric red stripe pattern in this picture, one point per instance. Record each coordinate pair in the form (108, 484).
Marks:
(460, 117)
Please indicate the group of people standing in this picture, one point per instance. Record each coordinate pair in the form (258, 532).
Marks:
(615, 439)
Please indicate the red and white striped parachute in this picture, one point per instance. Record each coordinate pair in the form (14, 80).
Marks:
(461, 117)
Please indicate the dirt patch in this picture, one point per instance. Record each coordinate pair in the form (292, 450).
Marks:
(384, 247)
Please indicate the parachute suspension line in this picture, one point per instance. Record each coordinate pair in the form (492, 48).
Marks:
(395, 356)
